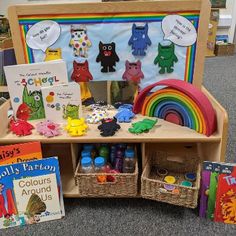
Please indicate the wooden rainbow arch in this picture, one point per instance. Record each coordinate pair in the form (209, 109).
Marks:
(180, 103)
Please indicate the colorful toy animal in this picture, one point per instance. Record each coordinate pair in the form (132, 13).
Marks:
(107, 56)
(76, 127)
(166, 58)
(23, 112)
(108, 127)
(48, 128)
(139, 40)
(96, 116)
(81, 72)
(53, 54)
(20, 127)
(124, 115)
(142, 126)
(71, 111)
(133, 72)
(34, 101)
(79, 41)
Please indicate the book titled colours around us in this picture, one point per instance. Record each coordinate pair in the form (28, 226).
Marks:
(25, 82)
(30, 192)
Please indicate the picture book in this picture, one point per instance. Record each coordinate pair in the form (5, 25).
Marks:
(226, 195)
(62, 101)
(16, 184)
(212, 190)
(25, 82)
(205, 183)
(23, 152)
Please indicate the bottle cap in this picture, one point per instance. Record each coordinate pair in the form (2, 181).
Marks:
(86, 161)
(170, 179)
(85, 153)
(186, 183)
(190, 176)
(99, 161)
(129, 153)
(88, 147)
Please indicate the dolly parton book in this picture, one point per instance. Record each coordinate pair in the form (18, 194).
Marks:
(25, 82)
(23, 152)
(30, 192)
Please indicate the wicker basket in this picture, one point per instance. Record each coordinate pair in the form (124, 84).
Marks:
(225, 49)
(152, 185)
(125, 184)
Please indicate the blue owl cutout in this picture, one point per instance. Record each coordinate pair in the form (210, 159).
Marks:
(139, 40)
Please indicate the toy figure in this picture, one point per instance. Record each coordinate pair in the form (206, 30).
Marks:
(34, 101)
(142, 126)
(139, 40)
(81, 72)
(76, 127)
(108, 127)
(125, 113)
(48, 128)
(20, 127)
(53, 54)
(166, 58)
(71, 111)
(23, 112)
(133, 72)
(79, 41)
(96, 116)
(107, 56)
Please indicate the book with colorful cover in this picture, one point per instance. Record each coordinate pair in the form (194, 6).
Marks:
(25, 82)
(29, 193)
(212, 190)
(225, 210)
(23, 152)
(62, 101)
(205, 183)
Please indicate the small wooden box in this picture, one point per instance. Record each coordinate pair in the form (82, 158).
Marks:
(225, 49)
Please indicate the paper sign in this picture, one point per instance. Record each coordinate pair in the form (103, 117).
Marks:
(43, 34)
(179, 30)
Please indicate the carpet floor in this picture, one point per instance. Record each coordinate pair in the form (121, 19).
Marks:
(87, 217)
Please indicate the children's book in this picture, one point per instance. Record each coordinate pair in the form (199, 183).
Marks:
(25, 82)
(205, 183)
(30, 192)
(24, 152)
(225, 210)
(212, 190)
(62, 101)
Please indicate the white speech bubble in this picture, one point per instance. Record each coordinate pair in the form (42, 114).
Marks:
(43, 34)
(179, 30)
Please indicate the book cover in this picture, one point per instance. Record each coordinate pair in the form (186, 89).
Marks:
(212, 190)
(204, 191)
(25, 82)
(9, 214)
(225, 210)
(23, 152)
(62, 101)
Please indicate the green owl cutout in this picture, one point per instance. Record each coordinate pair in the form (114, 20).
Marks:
(71, 111)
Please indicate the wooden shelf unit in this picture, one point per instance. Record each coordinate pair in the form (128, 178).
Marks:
(67, 148)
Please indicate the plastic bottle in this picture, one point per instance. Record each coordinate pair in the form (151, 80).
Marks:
(91, 149)
(85, 153)
(113, 155)
(129, 161)
(119, 161)
(87, 165)
(104, 152)
(99, 167)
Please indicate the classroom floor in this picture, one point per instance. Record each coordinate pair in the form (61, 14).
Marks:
(142, 217)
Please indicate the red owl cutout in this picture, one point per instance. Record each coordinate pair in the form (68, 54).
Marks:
(81, 72)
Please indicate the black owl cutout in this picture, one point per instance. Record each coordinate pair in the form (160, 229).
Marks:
(107, 56)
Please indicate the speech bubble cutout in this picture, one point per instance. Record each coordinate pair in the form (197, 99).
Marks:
(43, 34)
(179, 30)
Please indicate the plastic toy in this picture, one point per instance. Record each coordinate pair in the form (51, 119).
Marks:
(180, 103)
(107, 56)
(76, 127)
(166, 58)
(108, 127)
(81, 72)
(48, 128)
(23, 112)
(139, 40)
(79, 41)
(71, 111)
(53, 54)
(124, 115)
(133, 72)
(96, 116)
(142, 126)
(170, 179)
(20, 127)
(100, 106)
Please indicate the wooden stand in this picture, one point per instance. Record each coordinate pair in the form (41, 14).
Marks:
(67, 148)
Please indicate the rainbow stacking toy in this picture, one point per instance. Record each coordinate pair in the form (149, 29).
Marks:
(180, 103)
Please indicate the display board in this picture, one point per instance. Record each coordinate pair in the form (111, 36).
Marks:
(111, 41)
